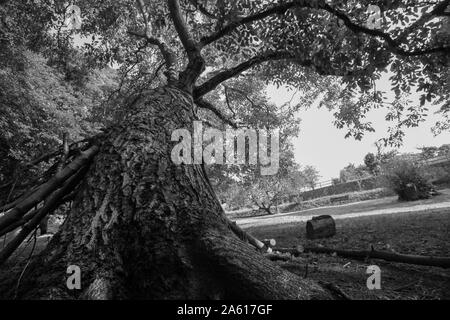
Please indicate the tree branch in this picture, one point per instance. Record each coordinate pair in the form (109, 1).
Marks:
(148, 28)
(227, 100)
(212, 83)
(182, 29)
(47, 188)
(393, 44)
(168, 55)
(196, 63)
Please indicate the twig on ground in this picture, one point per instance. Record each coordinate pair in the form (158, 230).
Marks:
(406, 286)
(336, 290)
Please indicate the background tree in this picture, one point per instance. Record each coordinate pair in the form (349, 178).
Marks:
(372, 163)
(311, 176)
(266, 193)
(355, 173)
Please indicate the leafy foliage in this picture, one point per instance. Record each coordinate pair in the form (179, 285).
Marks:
(38, 106)
(354, 173)
(307, 45)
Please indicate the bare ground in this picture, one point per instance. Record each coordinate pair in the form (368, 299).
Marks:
(388, 205)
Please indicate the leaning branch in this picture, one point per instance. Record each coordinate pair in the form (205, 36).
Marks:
(50, 204)
(280, 9)
(47, 188)
(141, 7)
(168, 56)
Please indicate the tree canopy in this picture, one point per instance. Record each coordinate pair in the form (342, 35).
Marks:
(317, 47)
(133, 72)
(224, 52)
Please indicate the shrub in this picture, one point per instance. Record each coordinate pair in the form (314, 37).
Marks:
(408, 180)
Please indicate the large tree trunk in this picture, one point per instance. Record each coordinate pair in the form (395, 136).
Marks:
(142, 227)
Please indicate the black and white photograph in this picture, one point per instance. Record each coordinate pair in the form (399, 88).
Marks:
(229, 152)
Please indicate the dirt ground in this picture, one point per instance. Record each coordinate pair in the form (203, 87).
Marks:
(419, 233)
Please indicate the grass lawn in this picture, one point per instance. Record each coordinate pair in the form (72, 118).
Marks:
(420, 233)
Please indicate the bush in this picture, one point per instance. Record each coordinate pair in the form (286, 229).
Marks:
(408, 180)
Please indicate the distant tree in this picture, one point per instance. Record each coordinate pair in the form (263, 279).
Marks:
(296, 180)
(371, 163)
(38, 106)
(429, 152)
(236, 197)
(347, 173)
(267, 192)
(408, 179)
(311, 176)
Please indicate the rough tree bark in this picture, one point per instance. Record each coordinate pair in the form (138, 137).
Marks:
(142, 227)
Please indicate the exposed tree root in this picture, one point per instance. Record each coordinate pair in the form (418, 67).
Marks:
(250, 277)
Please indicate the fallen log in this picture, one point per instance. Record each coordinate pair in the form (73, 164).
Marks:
(51, 203)
(320, 227)
(442, 262)
(47, 188)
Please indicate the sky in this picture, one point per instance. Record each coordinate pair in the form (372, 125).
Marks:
(324, 146)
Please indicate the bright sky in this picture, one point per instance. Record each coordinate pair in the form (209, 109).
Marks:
(322, 145)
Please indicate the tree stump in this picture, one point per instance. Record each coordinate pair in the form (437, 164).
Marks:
(320, 227)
